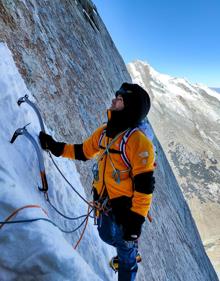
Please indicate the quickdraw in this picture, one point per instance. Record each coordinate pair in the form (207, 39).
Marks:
(100, 207)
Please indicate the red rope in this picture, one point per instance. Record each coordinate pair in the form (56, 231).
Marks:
(19, 209)
(84, 229)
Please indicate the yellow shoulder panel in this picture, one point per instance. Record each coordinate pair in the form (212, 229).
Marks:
(140, 152)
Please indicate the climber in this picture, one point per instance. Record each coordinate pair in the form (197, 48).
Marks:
(123, 174)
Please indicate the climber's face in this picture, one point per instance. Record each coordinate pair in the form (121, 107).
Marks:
(117, 104)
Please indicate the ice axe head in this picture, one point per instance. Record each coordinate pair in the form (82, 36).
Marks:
(22, 99)
(18, 132)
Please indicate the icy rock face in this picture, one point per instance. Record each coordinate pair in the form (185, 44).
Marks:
(68, 60)
(69, 63)
(71, 68)
(186, 120)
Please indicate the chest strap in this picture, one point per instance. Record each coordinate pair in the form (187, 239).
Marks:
(122, 145)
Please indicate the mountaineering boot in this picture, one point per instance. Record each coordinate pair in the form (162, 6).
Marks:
(114, 262)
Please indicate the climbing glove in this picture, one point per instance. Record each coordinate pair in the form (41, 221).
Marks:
(130, 221)
(132, 225)
(47, 142)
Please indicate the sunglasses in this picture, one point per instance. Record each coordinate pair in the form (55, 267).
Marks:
(122, 91)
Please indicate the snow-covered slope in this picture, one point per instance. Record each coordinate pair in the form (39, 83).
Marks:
(39, 250)
(186, 120)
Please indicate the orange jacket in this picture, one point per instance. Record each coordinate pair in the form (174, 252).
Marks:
(140, 152)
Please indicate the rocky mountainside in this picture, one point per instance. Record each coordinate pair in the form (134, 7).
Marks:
(68, 60)
(71, 67)
(64, 60)
(186, 120)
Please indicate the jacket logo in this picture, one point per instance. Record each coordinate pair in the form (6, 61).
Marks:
(143, 154)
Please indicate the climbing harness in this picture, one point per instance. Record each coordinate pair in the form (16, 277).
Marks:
(101, 206)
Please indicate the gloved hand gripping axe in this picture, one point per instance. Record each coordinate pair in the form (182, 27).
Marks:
(23, 131)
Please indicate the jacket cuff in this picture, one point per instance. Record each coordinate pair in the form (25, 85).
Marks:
(141, 203)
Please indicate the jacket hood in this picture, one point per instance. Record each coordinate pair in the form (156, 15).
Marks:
(136, 101)
(137, 106)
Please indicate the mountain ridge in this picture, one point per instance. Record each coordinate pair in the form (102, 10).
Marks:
(185, 118)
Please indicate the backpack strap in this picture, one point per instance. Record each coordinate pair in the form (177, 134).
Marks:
(101, 137)
(123, 146)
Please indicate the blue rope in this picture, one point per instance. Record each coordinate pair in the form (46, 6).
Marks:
(48, 220)
(63, 215)
(73, 188)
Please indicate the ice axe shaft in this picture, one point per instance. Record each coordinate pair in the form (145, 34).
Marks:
(23, 131)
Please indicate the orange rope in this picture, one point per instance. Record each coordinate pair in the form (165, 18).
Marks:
(19, 209)
(84, 229)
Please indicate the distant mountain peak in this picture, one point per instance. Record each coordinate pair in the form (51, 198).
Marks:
(186, 119)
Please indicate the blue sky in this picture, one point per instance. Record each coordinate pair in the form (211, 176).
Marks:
(179, 38)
